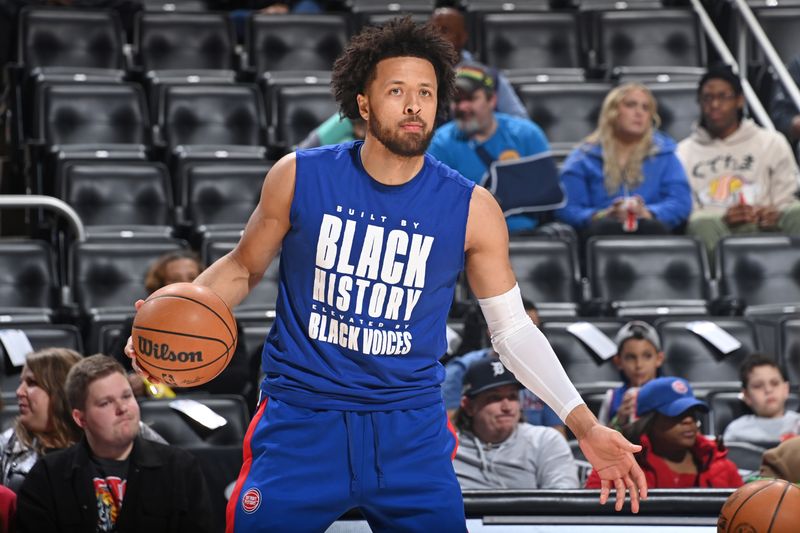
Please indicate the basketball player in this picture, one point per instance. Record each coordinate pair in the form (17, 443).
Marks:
(373, 236)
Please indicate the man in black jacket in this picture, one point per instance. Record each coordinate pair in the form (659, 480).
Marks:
(112, 480)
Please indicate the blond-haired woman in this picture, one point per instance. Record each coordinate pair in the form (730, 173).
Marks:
(625, 177)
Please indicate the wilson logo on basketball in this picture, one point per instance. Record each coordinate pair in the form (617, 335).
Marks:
(165, 353)
(251, 500)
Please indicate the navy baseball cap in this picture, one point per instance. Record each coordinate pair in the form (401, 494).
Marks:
(668, 396)
(488, 373)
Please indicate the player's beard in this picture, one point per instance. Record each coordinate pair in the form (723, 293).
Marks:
(404, 144)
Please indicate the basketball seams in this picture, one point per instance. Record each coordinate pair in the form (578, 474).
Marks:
(778, 507)
(733, 517)
(224, 322)
(168, 332)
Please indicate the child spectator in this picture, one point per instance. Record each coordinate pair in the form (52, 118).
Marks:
(674, 453)
(639, 358)
(765, 390)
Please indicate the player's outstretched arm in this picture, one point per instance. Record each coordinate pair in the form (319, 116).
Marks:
(233, 275)
(524, 350)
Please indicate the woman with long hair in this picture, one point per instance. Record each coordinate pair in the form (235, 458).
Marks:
(45, 421)
(625, 176)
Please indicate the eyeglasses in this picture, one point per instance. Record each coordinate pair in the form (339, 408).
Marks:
(707, 99)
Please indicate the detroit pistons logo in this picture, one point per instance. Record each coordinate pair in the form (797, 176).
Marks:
(680, 387)
(251, 500)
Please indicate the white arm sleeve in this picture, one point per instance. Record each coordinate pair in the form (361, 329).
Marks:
(524, 350)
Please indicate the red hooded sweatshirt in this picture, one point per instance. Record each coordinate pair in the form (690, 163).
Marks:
(714, 468)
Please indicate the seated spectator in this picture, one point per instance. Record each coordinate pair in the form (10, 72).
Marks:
(112, 480)
(782, 110)
(625, 177)
(479, 135)
(639, 359)
(534, 410)
(237, 378)
(674, 454)
(783, 461)
(496, 449)
(765, 390)
(44, 423)
(743, 177)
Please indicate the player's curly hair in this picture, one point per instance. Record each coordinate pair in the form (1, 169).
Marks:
(399, 37)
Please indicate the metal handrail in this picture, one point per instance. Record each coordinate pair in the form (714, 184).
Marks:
(49, 202)
(774, 59)
(755, 105)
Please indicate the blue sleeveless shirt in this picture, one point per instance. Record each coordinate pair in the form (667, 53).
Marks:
(367, 275)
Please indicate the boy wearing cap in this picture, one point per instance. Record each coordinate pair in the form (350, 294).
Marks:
(639, 359)
(743, 177)
(674, 453)
(496, 449)
(479, 135)
(765, 391)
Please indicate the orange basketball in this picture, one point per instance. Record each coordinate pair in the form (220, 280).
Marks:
(763, 506)
(184, 335)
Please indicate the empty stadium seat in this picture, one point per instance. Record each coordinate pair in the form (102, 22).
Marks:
(294, 42)
(582, 364)
(677, 107)
(108, 277)
(789, 348)
(180, 430)
(41, 336)
(133, 198)
(204, 121)
(630, 38)
(691, 357)
(727, 406)
(28, 280)
(781, 24)
(547, 273)
(647, 275)
(759, 273)
(220, 196)
(299, 111)
(531, 40)
(176, 41)
(567, 112)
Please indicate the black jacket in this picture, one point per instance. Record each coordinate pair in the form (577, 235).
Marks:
(166, 492)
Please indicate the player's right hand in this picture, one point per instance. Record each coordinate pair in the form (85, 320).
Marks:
(131, 353)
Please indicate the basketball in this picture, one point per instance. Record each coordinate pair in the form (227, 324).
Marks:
(184, 335)
(764, 506)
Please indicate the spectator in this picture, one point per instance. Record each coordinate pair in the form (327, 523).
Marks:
(674, 454)
(44, 423)
(783, 461)
(625, 177)
(743, 177)
(639, 359)
(478, 135)
(765, 390)
(782, 110)
(496, 449)
(534, 410)
(112, 480)
(237, 378)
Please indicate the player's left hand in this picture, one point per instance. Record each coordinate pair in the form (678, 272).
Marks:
(611, 456)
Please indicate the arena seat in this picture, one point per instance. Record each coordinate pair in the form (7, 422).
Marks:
(582, 364)
(299, 111)
(220, 196)
(132, 198)
(180, 430)
(647, 275)
(28, 280)
(789, 348)
(294, 42)
(40, 335)
(547, 274)
(690, 356)
(759, 273)
(677, 107)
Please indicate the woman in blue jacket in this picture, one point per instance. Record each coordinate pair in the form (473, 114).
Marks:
(626, 177)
